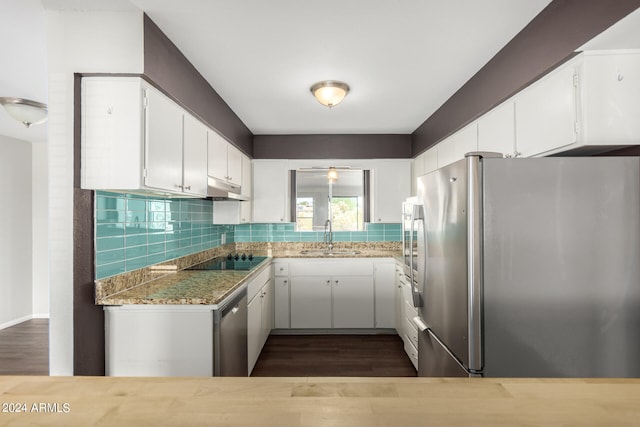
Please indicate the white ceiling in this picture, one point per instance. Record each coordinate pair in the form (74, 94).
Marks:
(24, 64)
(402, 62)
(401, 59)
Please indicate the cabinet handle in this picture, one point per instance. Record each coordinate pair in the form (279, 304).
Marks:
(188, 187)
(328, 282)
(517, 154)
(286, 281)
(179, 186)
(336, 282)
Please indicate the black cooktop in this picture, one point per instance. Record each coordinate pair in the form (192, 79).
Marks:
(230, 262)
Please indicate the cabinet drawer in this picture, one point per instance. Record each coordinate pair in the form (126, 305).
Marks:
(258, 282)
(281, 269)
(411, 331)
(320, 267)
(411, 352)
(409, 310)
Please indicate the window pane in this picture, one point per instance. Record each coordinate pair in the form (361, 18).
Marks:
(304, 213)
(316, 200)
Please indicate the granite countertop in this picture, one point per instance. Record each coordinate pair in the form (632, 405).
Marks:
(208, 287)
(172, 283)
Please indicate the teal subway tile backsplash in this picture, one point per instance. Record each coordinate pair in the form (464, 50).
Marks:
(137, 231)
(287, 233)
(134, 231)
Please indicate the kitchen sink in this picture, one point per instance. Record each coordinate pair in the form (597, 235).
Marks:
(328, 253)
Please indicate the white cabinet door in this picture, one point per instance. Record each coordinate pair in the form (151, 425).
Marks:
(112, 149)
(446, 152)
(163, 142)
(217, 156)
(392, 185)
(384, 282)
(610, 91)
(281, 303)
(311, 302)
(546, 113)
(416, 171)
(352, 302)
(466, 140)
(497, 130)
(270, 191)
(431, 160)
(398, 299)
(234, 165)
(254, 330)
(267, 312)
(195, 156)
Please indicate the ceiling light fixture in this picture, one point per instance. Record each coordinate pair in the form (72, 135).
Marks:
(330, 92)
(25, 111)
(332, 174)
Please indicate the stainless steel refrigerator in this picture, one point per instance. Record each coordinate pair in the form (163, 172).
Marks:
(529, 267)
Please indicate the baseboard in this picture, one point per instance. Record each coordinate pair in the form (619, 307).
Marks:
(15, 322)
(379, 331)
(40, 316)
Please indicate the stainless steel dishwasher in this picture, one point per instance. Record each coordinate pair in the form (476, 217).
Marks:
(230, 337)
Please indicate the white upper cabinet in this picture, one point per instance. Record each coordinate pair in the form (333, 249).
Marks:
(391, 186)
(234, 165)
(194, 156)
(546, 113)
(270, 191)
(457, 145)
(430, 160)
(112, 154)
(466, 140)
(135, 139)
(587, 105)
(225, 160)
(163, 142)
(610, 98)
(217, 164)
(497, 130)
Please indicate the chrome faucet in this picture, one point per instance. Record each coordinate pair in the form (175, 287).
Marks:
(328, 237)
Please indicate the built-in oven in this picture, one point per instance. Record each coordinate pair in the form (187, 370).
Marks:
(407, 239)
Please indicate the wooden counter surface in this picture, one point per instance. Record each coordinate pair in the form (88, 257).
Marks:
(352, 402)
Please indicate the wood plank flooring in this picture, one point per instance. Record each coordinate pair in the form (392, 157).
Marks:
(333, 356)
(24, 348)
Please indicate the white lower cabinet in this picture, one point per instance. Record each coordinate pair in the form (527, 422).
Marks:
(281, 300)
(352, 301)
(384, 282)
(311, 302)
(405, 312)
(349, 293)
(259, 315)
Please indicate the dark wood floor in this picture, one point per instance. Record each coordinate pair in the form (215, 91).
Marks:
(333, 356)
(24, 348)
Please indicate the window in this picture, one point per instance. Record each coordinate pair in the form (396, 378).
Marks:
(316, 199)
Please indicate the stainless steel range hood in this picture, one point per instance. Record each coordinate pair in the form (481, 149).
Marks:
(223, 190)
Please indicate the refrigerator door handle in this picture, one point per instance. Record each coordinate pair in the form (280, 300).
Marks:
(420, 324)
(417, 214)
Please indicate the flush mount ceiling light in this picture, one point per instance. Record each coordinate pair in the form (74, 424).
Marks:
(25, 111)
(330, 92)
